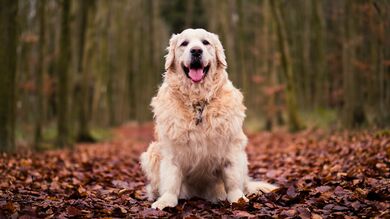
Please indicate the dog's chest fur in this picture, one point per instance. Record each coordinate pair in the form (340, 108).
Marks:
(200, 132)
(206, 143)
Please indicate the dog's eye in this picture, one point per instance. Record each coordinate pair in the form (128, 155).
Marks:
(184, 43)
(205, 42)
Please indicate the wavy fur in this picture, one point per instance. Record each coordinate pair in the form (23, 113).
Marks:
(206, 160)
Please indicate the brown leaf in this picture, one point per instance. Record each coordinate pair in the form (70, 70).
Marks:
(316, 216)
(191, 216)
(289, 213)
(148, 213)
(291, 191)
(323, 188)
(304, 213)
(8, 206)
(119, 211)
(257, 205)
(73, 211)
(239, 213)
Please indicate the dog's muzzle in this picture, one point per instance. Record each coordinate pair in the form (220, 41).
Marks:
(196, 52)
(196, 71)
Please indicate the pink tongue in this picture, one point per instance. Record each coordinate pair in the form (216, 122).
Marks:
(196, 74)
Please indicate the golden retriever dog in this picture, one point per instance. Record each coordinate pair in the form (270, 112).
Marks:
(200, 144)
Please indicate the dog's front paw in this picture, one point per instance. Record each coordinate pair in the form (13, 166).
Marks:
(255, 187)
(234, 196)
(166, 200)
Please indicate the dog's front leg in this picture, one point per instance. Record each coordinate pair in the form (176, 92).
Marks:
(233, 178)
(170, 183)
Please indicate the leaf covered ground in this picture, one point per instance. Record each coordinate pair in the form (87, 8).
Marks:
(341, 175)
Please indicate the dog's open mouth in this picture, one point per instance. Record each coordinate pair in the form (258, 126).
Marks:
(196, 72)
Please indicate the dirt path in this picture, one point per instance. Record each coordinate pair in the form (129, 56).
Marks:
(320, 176)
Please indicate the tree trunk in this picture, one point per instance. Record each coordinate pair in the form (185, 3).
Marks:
(231, 30)
(307, 71)
(136, 82)
(353, 113)
(8, 45)
(270, 112)
(63, 79)
(130, 63)
(292, 108)
(377, 90)
(240, 43)
(111, 70)
(84, 133)
(40, 75)
(321, 93)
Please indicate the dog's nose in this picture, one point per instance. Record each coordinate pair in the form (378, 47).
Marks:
(196, 51)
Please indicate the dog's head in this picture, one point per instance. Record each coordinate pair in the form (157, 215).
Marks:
(195, 53)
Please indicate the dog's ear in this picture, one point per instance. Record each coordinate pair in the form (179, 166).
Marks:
(170, 57)
(221, 58)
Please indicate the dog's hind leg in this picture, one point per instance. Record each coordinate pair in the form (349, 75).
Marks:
(217, 192)
(150, 164)
(233, 175)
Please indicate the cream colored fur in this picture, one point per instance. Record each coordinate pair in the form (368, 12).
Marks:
(207, 160)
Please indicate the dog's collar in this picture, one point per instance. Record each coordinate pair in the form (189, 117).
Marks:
(198, 109)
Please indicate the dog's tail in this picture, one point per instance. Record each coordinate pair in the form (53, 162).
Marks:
(259, 186)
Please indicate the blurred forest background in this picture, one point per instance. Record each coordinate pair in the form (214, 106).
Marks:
(69, 69)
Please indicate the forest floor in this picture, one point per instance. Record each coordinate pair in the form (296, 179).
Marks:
(320, 175)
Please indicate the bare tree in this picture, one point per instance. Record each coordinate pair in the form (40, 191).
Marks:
(353, 114)
(40, 76)
(8, 45)
(63, 78)
(292, 108)
(84, 133)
